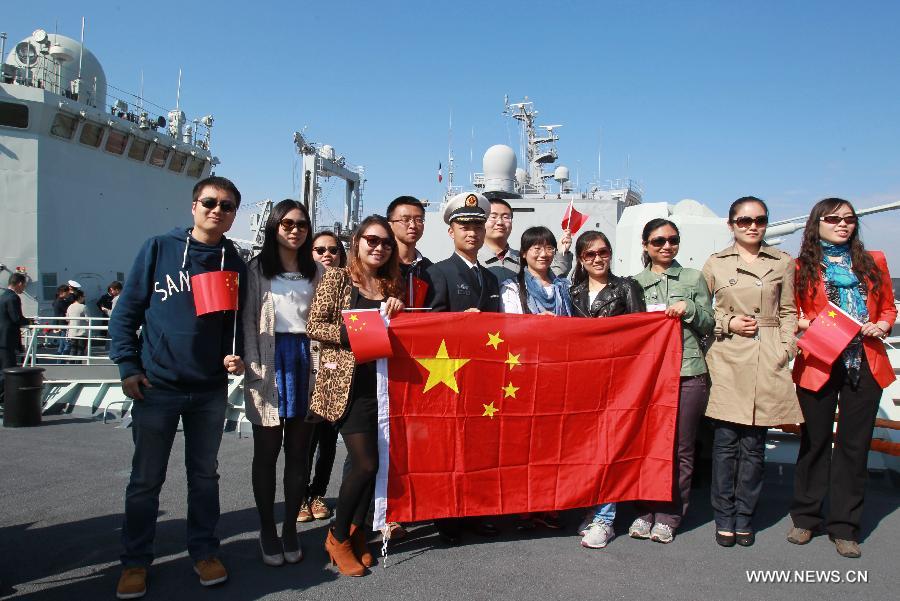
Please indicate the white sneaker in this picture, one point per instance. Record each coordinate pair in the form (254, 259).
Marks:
(598, 535)
(662, 533)
(640, 528)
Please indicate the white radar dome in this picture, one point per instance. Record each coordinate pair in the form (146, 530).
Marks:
(499, 169)
(561, 174)
(689, 206)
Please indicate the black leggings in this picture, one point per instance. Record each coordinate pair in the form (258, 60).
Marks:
(358, 485)
(267, 441)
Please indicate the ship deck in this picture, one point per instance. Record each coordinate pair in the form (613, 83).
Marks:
(62, 502)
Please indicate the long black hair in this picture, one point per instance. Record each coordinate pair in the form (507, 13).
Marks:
(585, 240)
(269, 259)
(733, 209)
(342, 253)
(649, 228)
(531, 237)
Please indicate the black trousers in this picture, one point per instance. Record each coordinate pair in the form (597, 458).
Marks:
(841, 470)
(738, 467)
(7, 359)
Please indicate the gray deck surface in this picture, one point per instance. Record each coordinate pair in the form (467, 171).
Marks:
(62, 496)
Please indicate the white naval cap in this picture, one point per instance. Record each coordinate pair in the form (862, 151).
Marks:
(467, 207)
(73, 284)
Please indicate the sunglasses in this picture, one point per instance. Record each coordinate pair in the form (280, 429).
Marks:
(375, 241)
(211, 203)
(288, 225)
(836, 219)
(589, 255)
(660, 241)
(745, 222)
(321, 250)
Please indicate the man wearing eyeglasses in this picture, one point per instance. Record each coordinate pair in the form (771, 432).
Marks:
(406, 214)
(178, 370)
(503, 261)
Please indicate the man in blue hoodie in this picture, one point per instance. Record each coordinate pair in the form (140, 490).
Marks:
(177, 369)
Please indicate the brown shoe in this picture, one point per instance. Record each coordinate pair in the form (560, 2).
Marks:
(799, 536)
(342, 556)
(211, 571)
(132, 583)
(847, 548)
(361, 546)
(305, 514)
(319, 509)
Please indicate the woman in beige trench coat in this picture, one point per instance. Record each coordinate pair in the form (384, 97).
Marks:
(752, 390)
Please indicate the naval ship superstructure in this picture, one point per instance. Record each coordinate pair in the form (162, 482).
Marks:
(88, 171)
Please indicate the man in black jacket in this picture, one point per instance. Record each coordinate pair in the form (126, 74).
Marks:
(11, 322)
(406, 214)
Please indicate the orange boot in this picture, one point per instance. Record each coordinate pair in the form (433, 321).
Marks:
(361, 546)
(342, 556)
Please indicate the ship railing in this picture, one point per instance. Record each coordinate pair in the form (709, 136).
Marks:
(47, 332)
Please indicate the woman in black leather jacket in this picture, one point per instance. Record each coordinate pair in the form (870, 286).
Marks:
(595, 291)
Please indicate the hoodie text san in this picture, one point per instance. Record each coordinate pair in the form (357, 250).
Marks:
(177, 350)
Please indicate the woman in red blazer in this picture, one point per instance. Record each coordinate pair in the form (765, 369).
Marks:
(834, 266)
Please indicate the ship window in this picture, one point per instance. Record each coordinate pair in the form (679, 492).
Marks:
(120, 275)
(91, 135)
(64, 126)
(138, 150)
(159, 156)
(177, 162)
(195, 168)
(13, 115)
(116, 142)
(48, 286)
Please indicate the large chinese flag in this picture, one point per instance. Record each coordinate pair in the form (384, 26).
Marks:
(488, 414)
(215, 291)
(829, 334)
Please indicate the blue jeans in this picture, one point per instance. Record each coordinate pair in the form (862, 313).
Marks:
(154, 425)
(605, 513)
(738, 467)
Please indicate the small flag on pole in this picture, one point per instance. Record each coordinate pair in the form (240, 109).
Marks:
(829, 334)
(215, 291)
(368, 335)
(440, 173)
(573, 220)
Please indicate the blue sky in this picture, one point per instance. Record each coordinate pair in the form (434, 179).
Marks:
(790, 101)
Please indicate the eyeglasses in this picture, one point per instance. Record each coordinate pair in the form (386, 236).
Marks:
(495, 217)
(745, 222)
(375, 241)
(227, 206)
(660, 241)
(836, 219)
(321, 250)
(289, 225)
(537, 250)
(406, 220)
(589, 256)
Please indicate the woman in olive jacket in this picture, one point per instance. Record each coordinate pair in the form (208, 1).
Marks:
(681, 293)
(756, 318)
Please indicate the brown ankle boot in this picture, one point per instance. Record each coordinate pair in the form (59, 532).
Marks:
(342, 556)
(361, 546)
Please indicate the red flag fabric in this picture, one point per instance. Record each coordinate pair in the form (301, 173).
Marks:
(573, 219)
(418, 289)
(506, 414)
(829, 334)
(215, 291)
(368, 335)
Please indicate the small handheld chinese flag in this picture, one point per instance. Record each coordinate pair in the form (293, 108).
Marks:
(573, 220)
(215, 291)
(418, 289)
(368, 335)
(829, 334)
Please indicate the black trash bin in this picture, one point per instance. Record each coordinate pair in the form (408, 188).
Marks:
(22, 404)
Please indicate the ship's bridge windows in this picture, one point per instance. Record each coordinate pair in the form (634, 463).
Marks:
(177, 162)
(64, 126)
(13, 114)
(91, 134)
(158, 156)
(195, 167)
(138, 150)
(116, 142)
(48, 286)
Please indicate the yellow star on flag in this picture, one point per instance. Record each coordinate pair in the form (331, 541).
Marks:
(494, 340)
(512, 360)
(354, 317)
(832, 314)
(441, 369)
(510, 390)
(489, 410)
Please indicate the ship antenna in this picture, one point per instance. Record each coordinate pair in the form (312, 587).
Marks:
(450, 154)
(81, 54)
(178, 92)
(141, 93)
